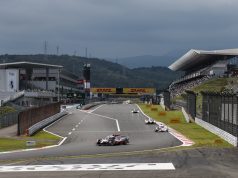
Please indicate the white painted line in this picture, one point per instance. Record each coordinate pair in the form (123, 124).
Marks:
(42, 148)
(76, 125)
(117, 123)
(90, 111)
(118, 127)
(44, 129)
(62, 141)
(185, 141)
(73, 129)
(69, 133)
(90, 167)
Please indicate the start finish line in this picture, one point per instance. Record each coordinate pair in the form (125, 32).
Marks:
(90, 167)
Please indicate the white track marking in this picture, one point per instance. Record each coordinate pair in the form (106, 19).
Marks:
(42, 148)
(90, 111)
(90, 167)
(73, 129)
(69, 133)
(185, 141)
(53, 124)
(118, 127)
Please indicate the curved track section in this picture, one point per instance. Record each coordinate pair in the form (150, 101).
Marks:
(83, 128)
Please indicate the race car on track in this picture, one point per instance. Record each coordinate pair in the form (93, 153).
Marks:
(149, 121)
(112, 140)
(161, 128)
(135, 111)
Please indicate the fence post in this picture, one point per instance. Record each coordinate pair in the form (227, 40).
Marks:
(191, 103)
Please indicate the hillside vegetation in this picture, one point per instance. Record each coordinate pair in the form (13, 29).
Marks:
(213, 85)
(104, 73)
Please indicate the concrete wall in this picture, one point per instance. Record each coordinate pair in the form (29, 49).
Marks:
(2, 80)
(221, 133)
(185, 114)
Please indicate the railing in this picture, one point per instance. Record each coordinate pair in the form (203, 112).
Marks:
(13, 97)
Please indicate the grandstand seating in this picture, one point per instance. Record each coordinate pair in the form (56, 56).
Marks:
(177, 89)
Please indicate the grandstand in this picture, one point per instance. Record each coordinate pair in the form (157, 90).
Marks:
(199, 66)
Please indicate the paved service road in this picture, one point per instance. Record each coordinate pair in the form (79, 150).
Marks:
(82, 129)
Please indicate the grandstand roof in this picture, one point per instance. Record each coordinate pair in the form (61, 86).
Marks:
(27, 65)
(194, 58)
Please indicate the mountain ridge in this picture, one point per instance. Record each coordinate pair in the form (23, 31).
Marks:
(104, 73)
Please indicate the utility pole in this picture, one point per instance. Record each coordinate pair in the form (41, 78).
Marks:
(86, 52)
(57, 50)
(45, 47)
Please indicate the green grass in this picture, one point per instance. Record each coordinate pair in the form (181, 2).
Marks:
(6, 109)
(200, 136)
(214, 85)
(42, 139)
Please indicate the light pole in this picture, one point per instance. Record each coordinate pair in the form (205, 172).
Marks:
(58, 92)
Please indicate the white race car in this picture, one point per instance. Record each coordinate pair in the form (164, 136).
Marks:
(149, 121)
(135, 111)
(161, 128)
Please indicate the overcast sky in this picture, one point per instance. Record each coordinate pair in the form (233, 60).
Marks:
(117, 28)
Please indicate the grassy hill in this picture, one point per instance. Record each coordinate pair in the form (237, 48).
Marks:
(104, 73)
(213, 85)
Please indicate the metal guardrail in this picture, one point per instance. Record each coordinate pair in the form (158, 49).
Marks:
(33, 129)
(88, 106)
(13, 97)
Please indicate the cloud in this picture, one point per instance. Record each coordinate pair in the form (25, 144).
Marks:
(117, 27)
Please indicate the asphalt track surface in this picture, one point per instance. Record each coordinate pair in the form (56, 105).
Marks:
(82, 129)
(188, 163)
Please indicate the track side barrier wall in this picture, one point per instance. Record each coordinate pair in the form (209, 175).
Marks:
(88, 106)
(29, 117)
(39, 125)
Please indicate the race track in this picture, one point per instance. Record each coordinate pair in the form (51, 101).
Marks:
(82, 129)
(79, 156)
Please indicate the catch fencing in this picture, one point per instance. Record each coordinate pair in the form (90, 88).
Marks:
(8, 119)
(220, 110)
(191, 103)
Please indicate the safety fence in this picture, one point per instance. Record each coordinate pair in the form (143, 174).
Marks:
(221, 110)
(29, 117)
(8, 119)
(217, 109)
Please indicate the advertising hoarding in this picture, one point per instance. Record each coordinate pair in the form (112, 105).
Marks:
(139, 90)
(103, 90)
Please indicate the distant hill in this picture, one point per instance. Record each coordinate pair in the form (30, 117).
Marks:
(145, 61)
(104, 73)
(149, 60)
